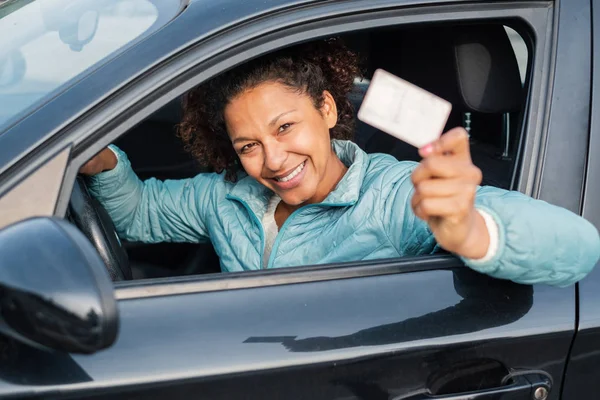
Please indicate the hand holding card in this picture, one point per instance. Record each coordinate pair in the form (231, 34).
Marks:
(404, 110)
(446, 180)
(446, 183)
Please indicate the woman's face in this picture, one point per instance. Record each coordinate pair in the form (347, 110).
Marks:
(283, 141)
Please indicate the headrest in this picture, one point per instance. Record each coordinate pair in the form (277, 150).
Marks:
(473, 67)
(487, 69)
(423, 56)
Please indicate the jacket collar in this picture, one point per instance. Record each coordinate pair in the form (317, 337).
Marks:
(256, 196)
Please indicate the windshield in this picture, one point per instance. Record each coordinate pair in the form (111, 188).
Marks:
(46, 44)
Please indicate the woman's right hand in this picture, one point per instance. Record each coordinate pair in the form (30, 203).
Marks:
(103, 161)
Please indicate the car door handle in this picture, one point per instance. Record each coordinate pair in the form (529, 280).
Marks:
(523, 387)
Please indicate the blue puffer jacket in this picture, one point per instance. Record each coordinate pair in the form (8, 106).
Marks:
(367, 216)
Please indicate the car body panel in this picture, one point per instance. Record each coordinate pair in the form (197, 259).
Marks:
(581, 377)
(591, 204)
(424, 319)
(570, 104)
(371, 336)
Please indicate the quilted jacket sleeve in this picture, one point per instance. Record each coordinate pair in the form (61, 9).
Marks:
(538, 242)
(153, 211)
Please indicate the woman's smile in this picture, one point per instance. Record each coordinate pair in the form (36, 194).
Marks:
(291, 179)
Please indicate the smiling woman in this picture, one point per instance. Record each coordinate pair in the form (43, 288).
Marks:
(290, 191)
(280, 115)
(308, 70)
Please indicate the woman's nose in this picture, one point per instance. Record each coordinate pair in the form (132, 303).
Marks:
(275, 156)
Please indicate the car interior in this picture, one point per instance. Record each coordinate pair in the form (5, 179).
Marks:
(473, 66)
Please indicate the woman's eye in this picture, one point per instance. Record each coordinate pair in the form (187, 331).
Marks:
(247, 148)
(284, 127)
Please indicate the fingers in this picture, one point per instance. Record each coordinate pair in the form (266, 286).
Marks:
(448, 157)
(91, 167)
(444, 187)
(434, 167)
(439, 207)
(456, 206)
(105, 160)
(449, 197)
(439, 197)
(446, 167)
(445, 181)
(454, 142)
(414, 204)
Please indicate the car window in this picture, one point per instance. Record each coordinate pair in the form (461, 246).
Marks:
(520, 49)
(46, 44)
(426, 57)
(422, 55)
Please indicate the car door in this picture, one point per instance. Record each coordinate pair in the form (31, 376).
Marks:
(584, 360)
(400, 329)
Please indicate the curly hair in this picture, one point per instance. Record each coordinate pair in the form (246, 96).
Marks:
(308, 68)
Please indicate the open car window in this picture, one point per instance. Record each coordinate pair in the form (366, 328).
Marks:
(438, 58)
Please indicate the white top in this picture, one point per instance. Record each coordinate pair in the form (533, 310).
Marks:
(492, 228)
(270, 228)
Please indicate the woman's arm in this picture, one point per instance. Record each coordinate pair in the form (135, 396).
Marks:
(152, 211)
(535, 242)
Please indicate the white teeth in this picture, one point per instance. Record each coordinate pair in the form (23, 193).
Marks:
(292, 174)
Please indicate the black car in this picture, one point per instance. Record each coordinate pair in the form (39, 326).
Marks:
(77, 75)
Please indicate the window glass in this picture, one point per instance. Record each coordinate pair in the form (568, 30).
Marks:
(46, 44)
(520, 49)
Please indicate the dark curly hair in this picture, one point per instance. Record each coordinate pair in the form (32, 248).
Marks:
(308, 68)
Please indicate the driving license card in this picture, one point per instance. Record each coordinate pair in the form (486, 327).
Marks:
(404, 110)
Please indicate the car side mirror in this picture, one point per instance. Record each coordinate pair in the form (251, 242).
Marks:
(55, 291)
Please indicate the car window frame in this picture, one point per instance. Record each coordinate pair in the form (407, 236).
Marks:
(239, 45)
(591, 197)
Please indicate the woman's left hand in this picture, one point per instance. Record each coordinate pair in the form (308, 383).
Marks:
(445, 185)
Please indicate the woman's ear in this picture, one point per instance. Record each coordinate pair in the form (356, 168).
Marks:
(329, 109)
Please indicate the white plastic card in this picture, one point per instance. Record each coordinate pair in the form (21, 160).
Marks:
(404, 110)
